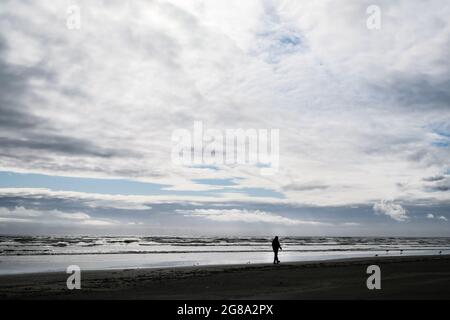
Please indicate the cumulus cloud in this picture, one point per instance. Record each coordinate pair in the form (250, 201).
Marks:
(432, 216)
(390, 209)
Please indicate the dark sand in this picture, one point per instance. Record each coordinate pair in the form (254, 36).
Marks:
(402, 278)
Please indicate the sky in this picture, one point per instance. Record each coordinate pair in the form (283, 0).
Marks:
(87, 115)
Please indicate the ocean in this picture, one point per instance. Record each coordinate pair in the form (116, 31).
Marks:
(26, 254)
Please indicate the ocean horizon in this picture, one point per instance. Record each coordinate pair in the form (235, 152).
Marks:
(30, 254)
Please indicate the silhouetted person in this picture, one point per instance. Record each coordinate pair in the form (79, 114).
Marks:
(275, 246)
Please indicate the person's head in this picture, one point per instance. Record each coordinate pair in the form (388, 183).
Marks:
(276, 237)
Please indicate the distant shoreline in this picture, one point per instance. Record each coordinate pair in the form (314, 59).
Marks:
(420, 277)
(50, 254)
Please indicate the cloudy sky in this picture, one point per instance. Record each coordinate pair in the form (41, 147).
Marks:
(87, 115)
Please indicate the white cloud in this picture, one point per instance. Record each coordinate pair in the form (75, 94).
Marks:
(14, 220)
(134, 202)
(250, 216)
(51, 217)
(392, 210)
(133, 223)
(432, 216)
(130, 76)
(349, 224)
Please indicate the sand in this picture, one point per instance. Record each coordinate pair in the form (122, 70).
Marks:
(426, 277)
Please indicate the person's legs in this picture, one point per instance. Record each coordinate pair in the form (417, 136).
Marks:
(275, 259)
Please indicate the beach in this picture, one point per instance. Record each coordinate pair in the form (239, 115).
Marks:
(408, 277)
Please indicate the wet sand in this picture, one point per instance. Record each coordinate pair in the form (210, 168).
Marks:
(425, 277)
